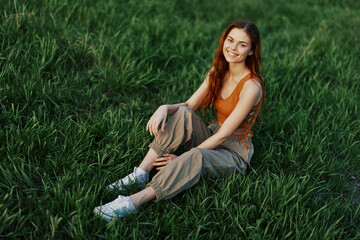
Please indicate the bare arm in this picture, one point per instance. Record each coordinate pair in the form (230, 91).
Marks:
(249, 96)
(195, 100)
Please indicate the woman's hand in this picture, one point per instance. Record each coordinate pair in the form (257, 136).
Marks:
(158, 117)
(162, 161)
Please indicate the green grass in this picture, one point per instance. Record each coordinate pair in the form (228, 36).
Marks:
(79, 79)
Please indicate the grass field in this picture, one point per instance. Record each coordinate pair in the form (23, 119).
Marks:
(79, 79)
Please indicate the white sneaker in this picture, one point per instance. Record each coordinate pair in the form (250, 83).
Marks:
(118, 208)
(135, 177)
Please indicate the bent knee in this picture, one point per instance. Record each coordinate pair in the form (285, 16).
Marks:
(184, 110)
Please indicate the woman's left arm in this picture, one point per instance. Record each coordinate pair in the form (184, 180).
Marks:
(249, 96)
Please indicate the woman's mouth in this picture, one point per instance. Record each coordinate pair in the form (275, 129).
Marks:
(232, 54)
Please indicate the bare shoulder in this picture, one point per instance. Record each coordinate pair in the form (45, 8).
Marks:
(253, 85)
(252, 88)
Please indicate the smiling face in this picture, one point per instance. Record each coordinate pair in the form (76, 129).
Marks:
(237, 46)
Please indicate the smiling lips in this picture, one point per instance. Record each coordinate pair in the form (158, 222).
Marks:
(232, 54)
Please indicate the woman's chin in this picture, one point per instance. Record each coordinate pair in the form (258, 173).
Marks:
(230, 60)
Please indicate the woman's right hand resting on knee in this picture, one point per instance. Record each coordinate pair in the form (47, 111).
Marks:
(158, 117)
(161, 113)
(162, 161)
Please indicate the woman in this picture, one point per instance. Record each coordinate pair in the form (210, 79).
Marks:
(235, 88)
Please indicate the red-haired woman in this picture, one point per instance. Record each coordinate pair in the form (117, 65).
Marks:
(235, 88)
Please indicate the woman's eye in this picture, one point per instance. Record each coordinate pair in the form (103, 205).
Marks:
(230, 40)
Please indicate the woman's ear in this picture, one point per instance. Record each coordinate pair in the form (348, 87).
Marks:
(251, 52)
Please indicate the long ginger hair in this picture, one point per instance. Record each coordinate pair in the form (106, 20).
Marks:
(220, 66)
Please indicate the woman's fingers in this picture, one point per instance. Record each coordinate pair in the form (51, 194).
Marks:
(155, 133)
(163, 124)
(171, 156)
(154, 127)
(151, 126)
(157, 120)
(162, 161)
(147, 125)
(150, 129)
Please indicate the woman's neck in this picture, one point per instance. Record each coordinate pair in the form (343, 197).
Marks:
(237, 71)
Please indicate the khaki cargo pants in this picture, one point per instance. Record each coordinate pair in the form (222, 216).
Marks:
(186, 128)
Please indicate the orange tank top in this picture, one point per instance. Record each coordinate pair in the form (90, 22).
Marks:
(224, 107)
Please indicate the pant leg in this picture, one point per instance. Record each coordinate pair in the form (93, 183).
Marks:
(186, 170)
(184, 127)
